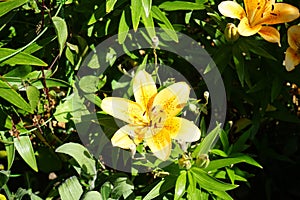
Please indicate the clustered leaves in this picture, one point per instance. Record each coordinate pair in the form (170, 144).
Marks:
(47, 108)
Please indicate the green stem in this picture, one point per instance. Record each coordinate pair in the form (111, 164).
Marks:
(7, 192)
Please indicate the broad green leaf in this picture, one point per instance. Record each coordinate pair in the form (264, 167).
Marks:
(24, 147)
(70, 189)
(106, 189)
(180, 185)
(136, 13)
(21, 58)
(122, 187)
(181, 5)
(91, 84)
(4, 176)
(166, 24)
(94, 99)
(217, 164)
(209, 183)
(149, 24)
(208, 142)
(147, 6)
(161, 187)
(81, 155)
(92, 195)
(61, 32)
(33, 95)
(110, 5)
(123, 26)
(10, 95)
(8, 5)
(9, 147)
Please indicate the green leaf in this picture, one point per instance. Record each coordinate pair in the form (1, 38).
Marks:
(181, 5)
(24, 147)
(61, 32)
(147, 6)
(81, 155)
(222, 194)
(4, 176)
(10, 149)
(217, 164)
(255, 47)
(106, 189)
(209, 141)
(238, 60)
(123, 26)
(70, 189)
(136, 13)
(149, 24)
(161, 187)
(89, 84)
(166, 24)
(21, 58)
(277, 85)
(8, 5)
(122, 187)
(180, 185)
(110, 5)
(33, 95)
(92, 195)
(10, 95)
(209, 183)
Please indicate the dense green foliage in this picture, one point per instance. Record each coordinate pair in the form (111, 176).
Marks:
(43, 44)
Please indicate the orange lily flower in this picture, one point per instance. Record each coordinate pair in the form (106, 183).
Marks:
(292, 56)
(258, 13)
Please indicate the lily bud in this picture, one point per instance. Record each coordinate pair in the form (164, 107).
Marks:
(202, 161)
(231, 32)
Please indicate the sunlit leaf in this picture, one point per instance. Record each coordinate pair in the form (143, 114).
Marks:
(24, 147)
(33, 95)
(61, 31)
(136, 13)
(8, 5)
(123, 26)
(92, 195)
(161, 187)
(70, 189)
(181, 5)
(110, 5)
(180, 185)
(147, 6)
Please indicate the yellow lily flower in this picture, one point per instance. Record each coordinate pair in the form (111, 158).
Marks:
(257, 14)
(292, 55)
(152, 118)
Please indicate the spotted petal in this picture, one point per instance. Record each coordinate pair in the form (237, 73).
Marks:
(172, 99)
(270, 34)
(123, 109)
(255, 9)
(292, 59)
(294, 37)
(159, 143)
(182, 129)
(121, 138)
(231, 9)
(144, 88)
(245, 29)
(280, 13)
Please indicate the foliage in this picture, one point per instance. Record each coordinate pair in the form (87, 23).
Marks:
(43, 45)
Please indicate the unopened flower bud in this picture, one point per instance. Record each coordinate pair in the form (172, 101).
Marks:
(231, 32)
(202, 161)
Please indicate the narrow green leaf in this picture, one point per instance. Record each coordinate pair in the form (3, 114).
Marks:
(106, 189)
(208, 142)
(21, 58)
(209, 183)
(222, 194)
(81, 155)
(123, 26)
(70, 189)
(166, 24)
(110, 5)
(8, 5)
(163, 186)
(217, 164)
(136, 13)
(4, 176)
(61, 32)
(92, 195)
(33, 95)
(238, 60)
(147, 6)
(181, 5)
(24, 147)
(10, 95)
(50, 82)
(180, 185)
(149, 24)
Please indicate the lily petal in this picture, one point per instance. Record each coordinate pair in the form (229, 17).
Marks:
(182, 129)
(270, 34)
(255, 9)
(231, 9)
(172, 99)
(123, 109)
(121, 138)
(279, 13)
(292, 59)
(294, 37)
(245, 29)
(144, 88)
(159, 143)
